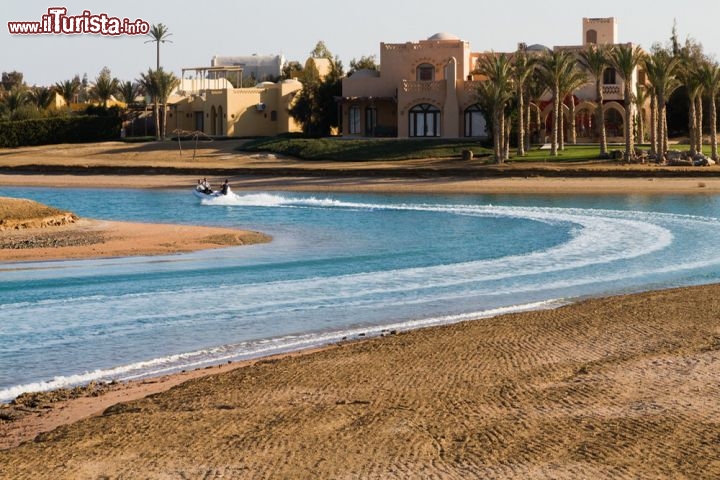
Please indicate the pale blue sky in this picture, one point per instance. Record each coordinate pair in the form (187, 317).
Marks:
(202, 29)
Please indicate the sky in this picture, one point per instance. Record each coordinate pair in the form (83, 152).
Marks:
(202, 29)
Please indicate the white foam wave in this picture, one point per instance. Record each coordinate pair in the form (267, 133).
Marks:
(252, 350)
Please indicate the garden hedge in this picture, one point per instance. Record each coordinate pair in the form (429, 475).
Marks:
(48, 131)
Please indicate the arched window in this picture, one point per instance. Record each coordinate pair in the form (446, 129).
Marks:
(475, 125)
(591, 36)
(220, 118)
(609, 76)
(370, 120)
(614, 123)
(424, 121)
(425, 72)
(354, 119)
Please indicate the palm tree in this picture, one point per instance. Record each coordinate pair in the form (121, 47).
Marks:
(128, 91)
(41, 97)
(104, 87)
(661, 67)
(710, 79)
(16, 98)
(159, 34)
(573, 79)
(167, 82)
(595, 59)
(625, 58)
(694, 86)
(494, 94)
(641, 98)
(523, 67)
(535, 90)
(149, 84)
(553, 67)
(68, 90)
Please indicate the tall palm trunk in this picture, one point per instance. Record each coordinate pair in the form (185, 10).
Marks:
(528, 122)
(663, 121)
(508, 131)
(496, 139)
(573, 132)
(699, 111)
(556, 121)
(561, 126)
(713, 129)
(521, 122)
(653, 125)
(692, 126)
(156, 107)
(600, 122)
(629, 136)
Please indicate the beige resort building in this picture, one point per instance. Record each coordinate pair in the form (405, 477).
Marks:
(428, 89)
(207, 101)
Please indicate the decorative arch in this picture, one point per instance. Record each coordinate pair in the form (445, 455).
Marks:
(418, 100)
(591, 36)
(585, 119)
(474, 122)
(614, 119)
(424, 121)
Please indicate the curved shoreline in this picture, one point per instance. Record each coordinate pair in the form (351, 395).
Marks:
(105, 239)
(619, 387)
(604, 385)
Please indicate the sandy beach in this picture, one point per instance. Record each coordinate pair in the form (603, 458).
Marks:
(611, 388)
(617, 388)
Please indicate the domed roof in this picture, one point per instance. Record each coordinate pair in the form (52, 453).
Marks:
(444, 36)
(538, 48)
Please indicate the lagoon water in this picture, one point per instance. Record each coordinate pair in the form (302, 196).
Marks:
(340, 265)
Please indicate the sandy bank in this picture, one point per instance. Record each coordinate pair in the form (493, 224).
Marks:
(619, 388)
(30, 231)
(164, 165)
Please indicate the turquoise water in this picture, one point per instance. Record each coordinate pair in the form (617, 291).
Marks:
(340, 265)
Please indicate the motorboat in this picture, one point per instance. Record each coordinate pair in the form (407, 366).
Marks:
(209, 195)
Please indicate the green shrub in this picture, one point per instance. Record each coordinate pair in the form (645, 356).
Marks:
(53, 130)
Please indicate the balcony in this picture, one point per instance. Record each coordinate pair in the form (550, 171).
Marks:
(612, 90)
(423, 87)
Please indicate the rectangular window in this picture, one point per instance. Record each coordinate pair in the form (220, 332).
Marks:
(609, 76)
(425, 73)
(354, 120)
(370, 120)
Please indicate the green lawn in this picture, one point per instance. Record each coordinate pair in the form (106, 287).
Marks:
(364, 149)
(407, 149)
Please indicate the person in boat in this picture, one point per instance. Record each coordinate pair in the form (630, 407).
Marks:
(225, 187)
(206, 186)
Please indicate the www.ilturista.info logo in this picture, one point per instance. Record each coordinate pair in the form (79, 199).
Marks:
(57, 21)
